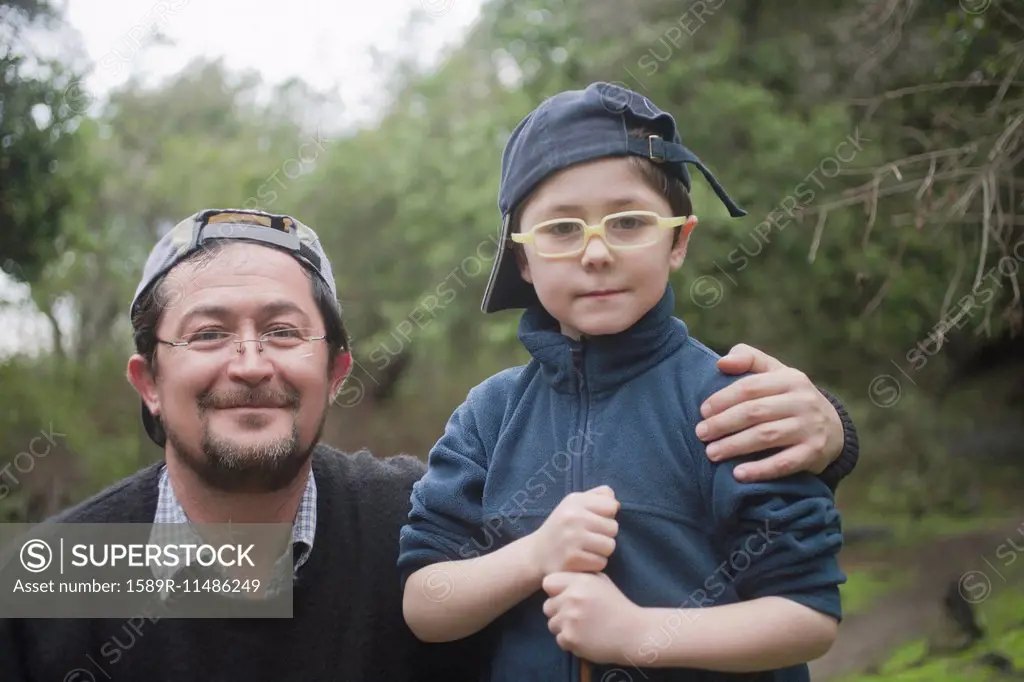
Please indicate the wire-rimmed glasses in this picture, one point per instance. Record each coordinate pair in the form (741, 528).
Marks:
(277, 341)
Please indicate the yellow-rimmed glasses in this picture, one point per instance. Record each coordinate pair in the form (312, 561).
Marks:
(217, 342)
(568, 237)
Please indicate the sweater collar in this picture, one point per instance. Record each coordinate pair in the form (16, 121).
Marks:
(604, 362)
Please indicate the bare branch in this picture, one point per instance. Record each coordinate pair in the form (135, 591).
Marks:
(1012, 19)
(998, 99)
(873, 211)
(894, 269)
(58, 335)
(1000, 226)
(933, 87)
(904, 219)
(1007, 133)
(860, 194)
(819, 228)
(873, 103)
(927, 184)
(986, 226)
(960, 258)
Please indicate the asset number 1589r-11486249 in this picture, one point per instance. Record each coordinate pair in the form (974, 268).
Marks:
(193, 585)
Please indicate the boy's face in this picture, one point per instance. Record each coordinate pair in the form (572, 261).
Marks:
(600, 291)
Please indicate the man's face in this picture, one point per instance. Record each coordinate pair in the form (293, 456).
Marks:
(601, 291)
(242, 421)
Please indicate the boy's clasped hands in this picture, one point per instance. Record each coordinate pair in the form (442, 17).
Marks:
(587, 613)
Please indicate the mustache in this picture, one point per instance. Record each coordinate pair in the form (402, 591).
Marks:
(249, 398)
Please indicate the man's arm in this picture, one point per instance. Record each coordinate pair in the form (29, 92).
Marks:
(777, 407)
(849, 453)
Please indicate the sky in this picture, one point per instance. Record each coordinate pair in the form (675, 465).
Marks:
(327, 43)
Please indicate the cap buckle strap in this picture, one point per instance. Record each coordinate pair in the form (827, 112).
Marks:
(660, 151)
(657, 158)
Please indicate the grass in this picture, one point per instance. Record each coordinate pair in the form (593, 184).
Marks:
(864, 588)
(1002, 616)
(908, 533)
(879, 568)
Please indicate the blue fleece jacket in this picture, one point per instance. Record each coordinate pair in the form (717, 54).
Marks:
(619, 410)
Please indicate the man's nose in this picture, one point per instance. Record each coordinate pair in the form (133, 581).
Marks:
(250, 365)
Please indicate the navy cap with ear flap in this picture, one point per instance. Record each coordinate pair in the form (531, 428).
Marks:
(573, 127)
(673, 154)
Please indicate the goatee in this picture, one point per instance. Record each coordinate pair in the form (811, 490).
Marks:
(232, 467)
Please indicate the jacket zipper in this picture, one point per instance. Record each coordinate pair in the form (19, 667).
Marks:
(575, 664)
(581, 385)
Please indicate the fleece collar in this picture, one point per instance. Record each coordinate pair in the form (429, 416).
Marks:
(605, 362)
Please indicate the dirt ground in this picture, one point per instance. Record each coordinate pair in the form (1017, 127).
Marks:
(867, 638)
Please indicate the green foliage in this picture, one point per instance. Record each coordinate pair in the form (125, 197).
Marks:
(866, 589)
(1000, 614)
(818, 123)
(37, 123)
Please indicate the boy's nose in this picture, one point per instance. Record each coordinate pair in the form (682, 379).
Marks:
(596, 252)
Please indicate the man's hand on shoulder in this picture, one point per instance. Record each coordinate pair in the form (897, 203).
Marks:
(775, 407)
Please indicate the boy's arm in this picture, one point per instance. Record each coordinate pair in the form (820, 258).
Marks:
(764, 634)
(455, 599)
(781, 548)
(450, 591)
(591, 618)
(783, 536)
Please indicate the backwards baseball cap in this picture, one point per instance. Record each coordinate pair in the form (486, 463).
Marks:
(207, 227)
(569, 128)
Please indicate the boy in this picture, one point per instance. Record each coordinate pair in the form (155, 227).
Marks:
(529, 526)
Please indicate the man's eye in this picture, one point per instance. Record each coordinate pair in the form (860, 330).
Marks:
(208, 336)
(283, 333)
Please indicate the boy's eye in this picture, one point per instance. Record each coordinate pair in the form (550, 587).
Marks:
(630, 222)
(562, 229)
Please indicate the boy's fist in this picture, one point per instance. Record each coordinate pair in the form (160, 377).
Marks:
(579, 535)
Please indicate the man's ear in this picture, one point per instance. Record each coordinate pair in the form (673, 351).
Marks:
(143, 381)
(340, 371)
(678, 253)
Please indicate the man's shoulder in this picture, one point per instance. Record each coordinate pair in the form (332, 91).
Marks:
(360, 485)
(129, 500)
(362, 469)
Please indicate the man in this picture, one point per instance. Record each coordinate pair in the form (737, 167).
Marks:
(241, 347)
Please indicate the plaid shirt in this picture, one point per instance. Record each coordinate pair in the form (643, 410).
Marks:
(172, 526)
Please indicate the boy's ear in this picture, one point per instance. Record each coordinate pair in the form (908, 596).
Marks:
(678, 254)
(522, 262)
